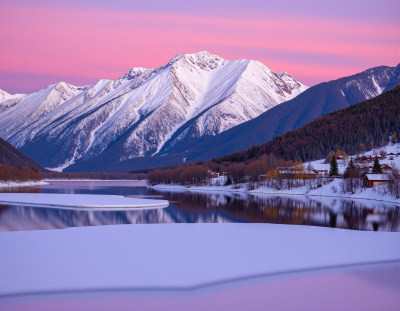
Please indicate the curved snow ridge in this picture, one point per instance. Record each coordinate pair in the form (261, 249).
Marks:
(182, 256)
(79, 201)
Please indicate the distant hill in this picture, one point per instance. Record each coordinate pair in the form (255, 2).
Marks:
(315, 102)
(12, 156)
(362, 125)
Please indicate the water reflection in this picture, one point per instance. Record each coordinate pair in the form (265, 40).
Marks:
(295, 210)
(195, 207)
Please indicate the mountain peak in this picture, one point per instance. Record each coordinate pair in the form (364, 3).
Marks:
(204, 60)
(202, 55)
(3, 94)
(292, 82)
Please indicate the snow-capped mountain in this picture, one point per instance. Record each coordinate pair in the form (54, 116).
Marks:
(145, 112)
(315, 102)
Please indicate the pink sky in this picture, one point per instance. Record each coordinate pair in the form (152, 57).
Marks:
(43, 44)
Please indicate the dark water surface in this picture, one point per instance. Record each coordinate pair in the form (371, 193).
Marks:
(195, 207)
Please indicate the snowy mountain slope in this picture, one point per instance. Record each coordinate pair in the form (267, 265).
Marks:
(6, 96)
(145, 112)
(317, 101)
(315, 139)
(8, 100)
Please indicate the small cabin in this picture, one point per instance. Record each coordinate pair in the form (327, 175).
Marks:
(386, 168)
(320, 172)
(213, 174)
(373, 180)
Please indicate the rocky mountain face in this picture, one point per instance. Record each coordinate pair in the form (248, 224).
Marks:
(145, 113)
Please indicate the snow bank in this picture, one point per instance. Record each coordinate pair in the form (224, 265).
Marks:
(9, 184)
(95, 180)
(78, 201)
(332, 189)
(177, 255)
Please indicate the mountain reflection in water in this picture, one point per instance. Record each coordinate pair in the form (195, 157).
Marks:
(196, 207)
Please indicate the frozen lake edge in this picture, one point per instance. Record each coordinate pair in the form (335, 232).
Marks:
(79, 201)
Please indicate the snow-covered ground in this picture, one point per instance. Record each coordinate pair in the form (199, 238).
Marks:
(331, 189)
(178, 255)
(12, 184)
(390, 148)
(79, 201)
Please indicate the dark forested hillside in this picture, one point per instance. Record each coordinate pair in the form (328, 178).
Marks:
(362, 126)
(16, 166)
(9, 155)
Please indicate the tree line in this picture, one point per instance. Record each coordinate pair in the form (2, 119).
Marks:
(94, 175)
(200, 173)
(18, 173)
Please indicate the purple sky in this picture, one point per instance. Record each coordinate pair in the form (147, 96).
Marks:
(82, 41)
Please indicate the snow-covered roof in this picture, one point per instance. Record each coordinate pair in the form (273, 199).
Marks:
(377, 177)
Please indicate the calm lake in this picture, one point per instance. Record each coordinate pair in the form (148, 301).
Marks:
(196, 207)
(365, 287)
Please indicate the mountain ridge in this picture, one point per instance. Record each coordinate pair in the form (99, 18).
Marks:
(359, 127)
(316, 101)
(142, 113)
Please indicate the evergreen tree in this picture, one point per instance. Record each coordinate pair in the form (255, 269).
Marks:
(333, 170)
(350, 169)
(228, 181)
(351, 164)
(376, 169)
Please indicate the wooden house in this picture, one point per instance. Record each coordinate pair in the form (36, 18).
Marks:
(373, 180)
(212, 174)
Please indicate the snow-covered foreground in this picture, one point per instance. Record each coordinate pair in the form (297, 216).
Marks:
(79, 201)
(366, 288)
(179, 256)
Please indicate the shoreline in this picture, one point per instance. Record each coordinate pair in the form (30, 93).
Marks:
(82, 179)
(93, 202)
(15, 184)
(260, 191)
